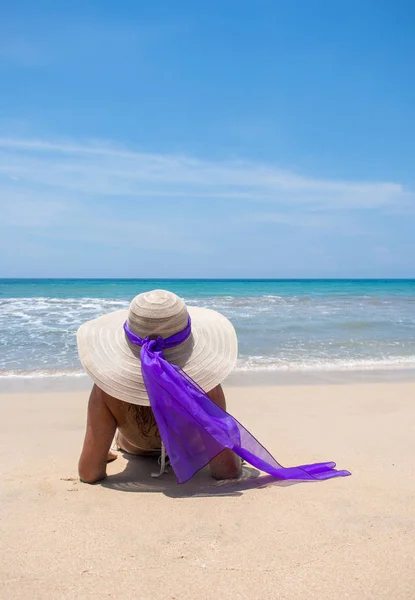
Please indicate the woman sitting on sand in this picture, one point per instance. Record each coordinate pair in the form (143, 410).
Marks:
(157, 370)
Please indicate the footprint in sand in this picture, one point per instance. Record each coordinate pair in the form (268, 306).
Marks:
(74, 481)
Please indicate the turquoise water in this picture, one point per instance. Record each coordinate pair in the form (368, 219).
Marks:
(127, 288)
(281, 324)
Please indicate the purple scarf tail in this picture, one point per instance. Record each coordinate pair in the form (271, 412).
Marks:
(194, 429)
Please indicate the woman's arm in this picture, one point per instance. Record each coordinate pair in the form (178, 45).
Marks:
(225, 465)
(100, 431)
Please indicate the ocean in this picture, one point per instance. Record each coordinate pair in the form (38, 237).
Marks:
(282, 325)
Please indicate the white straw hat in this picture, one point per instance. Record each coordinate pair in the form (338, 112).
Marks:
(207, 356)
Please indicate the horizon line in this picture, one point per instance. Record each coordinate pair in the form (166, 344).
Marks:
(281, 279)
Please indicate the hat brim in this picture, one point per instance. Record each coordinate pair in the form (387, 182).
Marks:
(207, 356)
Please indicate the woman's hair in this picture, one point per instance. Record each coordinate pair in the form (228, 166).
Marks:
(145, 419)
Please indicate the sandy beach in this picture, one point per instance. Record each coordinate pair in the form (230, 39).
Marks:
(136, 537)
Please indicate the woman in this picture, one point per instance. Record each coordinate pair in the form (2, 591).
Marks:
(137, 434)
(157, 370)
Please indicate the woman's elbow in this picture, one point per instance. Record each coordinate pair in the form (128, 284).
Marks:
(90, 475)
(226, 465)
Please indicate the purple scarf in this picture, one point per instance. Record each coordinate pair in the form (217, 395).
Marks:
(193, 428)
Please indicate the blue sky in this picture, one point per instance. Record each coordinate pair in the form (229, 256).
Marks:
(207, 139)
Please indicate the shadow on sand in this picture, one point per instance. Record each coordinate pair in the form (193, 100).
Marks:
(136, 477)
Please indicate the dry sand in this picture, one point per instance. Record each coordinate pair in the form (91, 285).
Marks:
(135, 537)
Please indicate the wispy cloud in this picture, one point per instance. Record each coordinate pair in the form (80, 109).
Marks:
(106, 169)
(316, 220)
(146, 210)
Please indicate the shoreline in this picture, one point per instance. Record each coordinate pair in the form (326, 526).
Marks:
(255, 378)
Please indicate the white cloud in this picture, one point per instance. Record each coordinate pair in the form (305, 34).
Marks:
(105, 169)
(316, 220)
